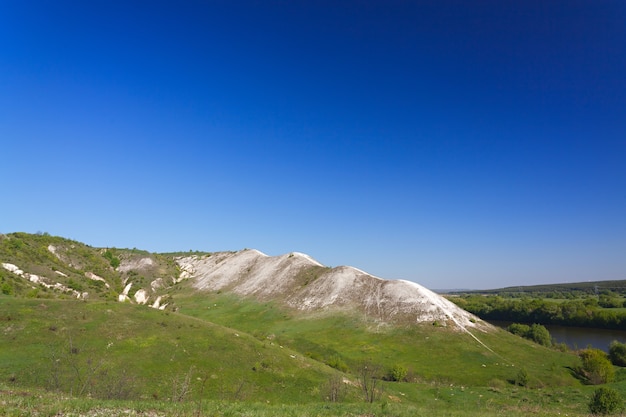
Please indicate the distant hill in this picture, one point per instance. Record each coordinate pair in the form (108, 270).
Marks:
(45, 266)
(590, 287)
(112, 323)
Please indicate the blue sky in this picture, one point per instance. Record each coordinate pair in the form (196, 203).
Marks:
(452, 143)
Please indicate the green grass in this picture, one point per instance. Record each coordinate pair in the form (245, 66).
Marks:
(430, 354)
(449, 401)
(266, 362)
(215, 354)
(83, 347)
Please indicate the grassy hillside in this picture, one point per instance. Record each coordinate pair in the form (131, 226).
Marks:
(217, 354)
(430, 354)
(65, 268)
(114, 350)
(166, 364)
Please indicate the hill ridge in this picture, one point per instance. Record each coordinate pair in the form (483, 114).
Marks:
(300, 282)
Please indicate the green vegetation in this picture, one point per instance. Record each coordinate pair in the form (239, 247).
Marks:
(123, 351)
(617, 353)
(583, 312)
(218, 354)
(537, 333)
(596, 367)
(78, 268)
(606, 401)
(558, 291)
(428, 355)
(113, 260)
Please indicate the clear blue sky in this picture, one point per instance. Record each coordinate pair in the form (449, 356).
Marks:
(458, 144)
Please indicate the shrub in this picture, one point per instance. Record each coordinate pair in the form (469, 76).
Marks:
(519, 329)
(596, 367)
(336, 362)
(7, 289)
(334, 390)
(605, 401)
(398, 373)
(521, 378)
(617, 353)
(537, 333)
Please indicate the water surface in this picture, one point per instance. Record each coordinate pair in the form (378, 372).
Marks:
(580, 337)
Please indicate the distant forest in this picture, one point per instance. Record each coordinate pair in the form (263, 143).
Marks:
(600, 304)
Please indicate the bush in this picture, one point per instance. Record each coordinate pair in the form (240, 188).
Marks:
(7, 289)
(537, 333)
(522, 378)
(336, 362)
(605, 401)
(596, 367)
(617, 353)
(398, 373)
(519, 329)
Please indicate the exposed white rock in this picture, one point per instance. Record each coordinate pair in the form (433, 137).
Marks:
(60, 273)
(303, 283)
(95, 277)
(53, 250)
(156, 284)
(123, 297)
(127, 288)
(141, 296)
(13, 268)
(157, 303)
(36, 279)
(130, 264)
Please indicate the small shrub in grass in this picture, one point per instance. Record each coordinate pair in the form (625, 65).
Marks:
(617, 353)
(521, 378)
(336, 362)
(398, 373)
(606, 401)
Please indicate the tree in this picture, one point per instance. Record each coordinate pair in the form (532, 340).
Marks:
(596, 367)
(605, 401)
(617, 353)
(539, 334)
(334, 389)
(369, 379)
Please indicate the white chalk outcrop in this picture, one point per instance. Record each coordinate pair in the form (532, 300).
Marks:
(43, 281)
(95, 277)
(13, 268)
(303, 283)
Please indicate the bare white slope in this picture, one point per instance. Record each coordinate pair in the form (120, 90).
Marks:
(303, 283)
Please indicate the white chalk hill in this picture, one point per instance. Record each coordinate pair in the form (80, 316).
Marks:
(302, 283)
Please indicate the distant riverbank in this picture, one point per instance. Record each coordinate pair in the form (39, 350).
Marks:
(579, 337)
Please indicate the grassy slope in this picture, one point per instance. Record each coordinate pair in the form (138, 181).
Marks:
(431, 354)
(152, 352)
(72, 261)
(108, 349)
(92, 347)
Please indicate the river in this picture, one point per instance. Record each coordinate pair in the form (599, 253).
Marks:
(580, 337)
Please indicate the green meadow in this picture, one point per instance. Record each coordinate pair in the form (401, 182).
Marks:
(224, 356)
(218, 354)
